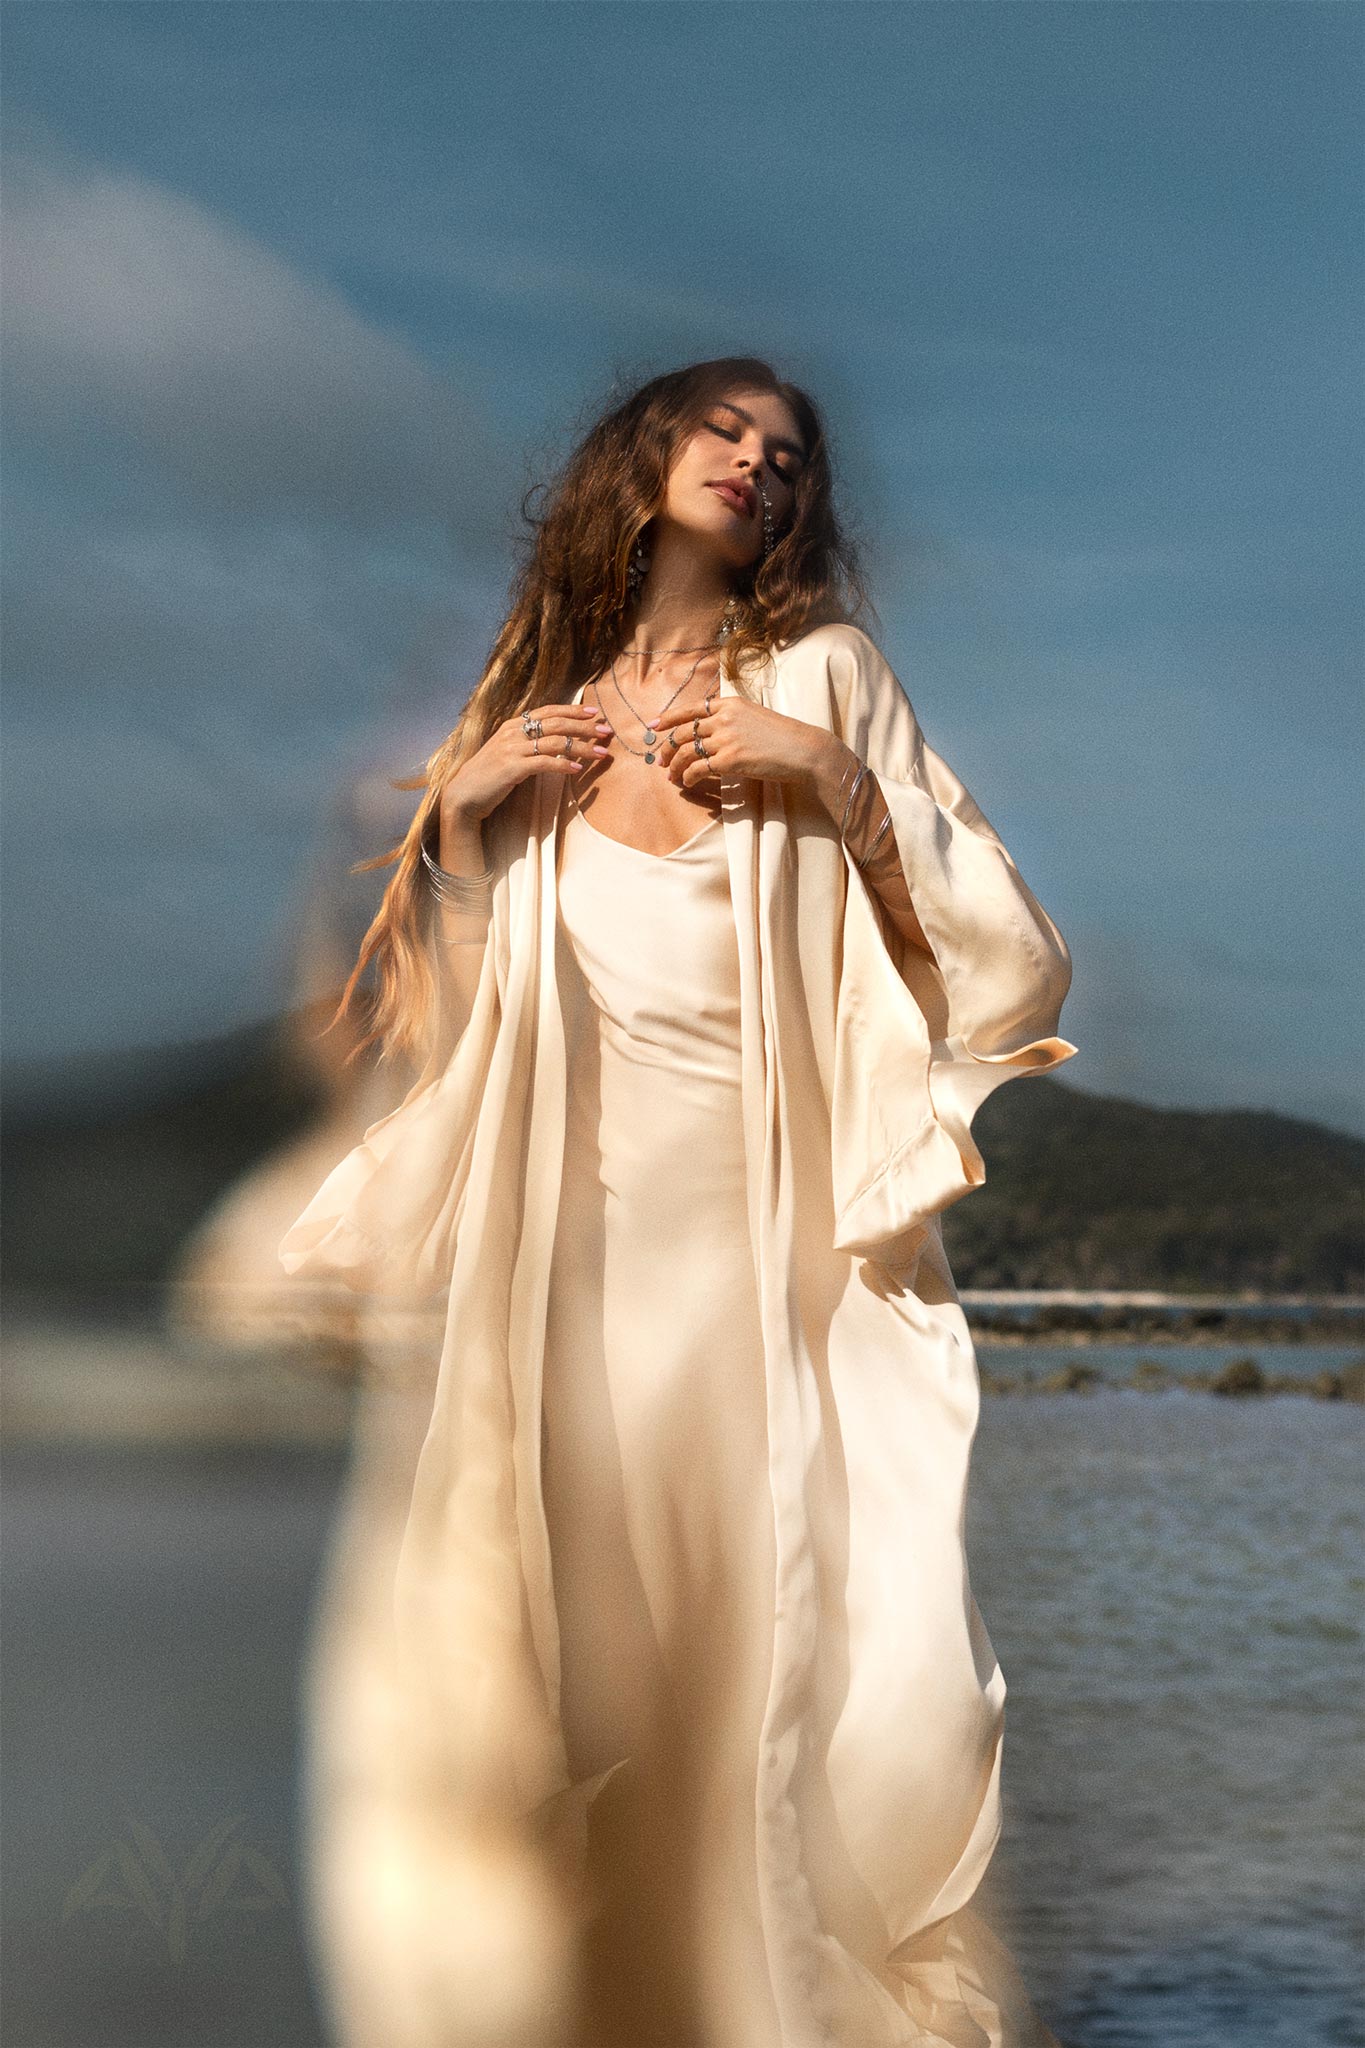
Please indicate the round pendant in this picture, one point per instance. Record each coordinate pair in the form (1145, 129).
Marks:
(649, 758)
(650, 738)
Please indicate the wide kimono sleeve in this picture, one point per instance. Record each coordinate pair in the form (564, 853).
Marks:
(921, 1041)
(384, 1221)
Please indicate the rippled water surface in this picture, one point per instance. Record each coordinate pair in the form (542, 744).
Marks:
(1173, 1584)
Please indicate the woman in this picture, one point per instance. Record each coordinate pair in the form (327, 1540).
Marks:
(723, 959)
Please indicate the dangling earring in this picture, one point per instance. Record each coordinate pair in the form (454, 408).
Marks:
(638, 570)
(768, 529)
(729, 619)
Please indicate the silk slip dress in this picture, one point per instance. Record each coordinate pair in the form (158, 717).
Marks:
(655, 1467)
(655, 1438)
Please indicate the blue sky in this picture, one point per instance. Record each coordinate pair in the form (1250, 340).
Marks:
(300, 298)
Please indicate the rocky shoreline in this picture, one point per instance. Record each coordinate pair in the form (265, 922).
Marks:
(1000, 1320)
(1239, 1379)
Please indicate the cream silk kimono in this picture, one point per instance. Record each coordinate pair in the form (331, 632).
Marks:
(876, 1782)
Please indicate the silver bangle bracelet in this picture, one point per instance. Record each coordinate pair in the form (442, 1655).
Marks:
(461, 892)
(441, 874)
(843, 784)
(877, 838)
(480, 899)
(843, 822)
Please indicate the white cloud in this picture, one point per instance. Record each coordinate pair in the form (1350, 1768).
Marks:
(249, 534)
(130, 309)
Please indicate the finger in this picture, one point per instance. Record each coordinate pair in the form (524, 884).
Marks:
(705, 719)
(556, 718)
(677, 740)
(579, 738)
(688, 768)
(580, 748)
(555, 734)
(686, 743)
(570, 719)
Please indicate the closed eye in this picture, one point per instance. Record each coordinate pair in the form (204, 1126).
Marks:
(788, 476)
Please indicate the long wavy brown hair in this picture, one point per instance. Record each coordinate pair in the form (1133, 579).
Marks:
(571, 610)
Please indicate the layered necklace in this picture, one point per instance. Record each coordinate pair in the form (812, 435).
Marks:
(651, 736)
(650, 727)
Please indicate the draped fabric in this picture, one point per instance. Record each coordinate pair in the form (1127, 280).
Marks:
(861, 1061)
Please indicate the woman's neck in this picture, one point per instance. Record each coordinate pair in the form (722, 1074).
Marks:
(681, 604)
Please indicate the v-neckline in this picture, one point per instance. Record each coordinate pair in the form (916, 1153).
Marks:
(642, 851)
(725, 688)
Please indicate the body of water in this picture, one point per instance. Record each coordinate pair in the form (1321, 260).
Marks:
(1172, 1583)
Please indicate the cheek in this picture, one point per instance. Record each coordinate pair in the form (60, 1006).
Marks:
(704, 456)
(687, 478)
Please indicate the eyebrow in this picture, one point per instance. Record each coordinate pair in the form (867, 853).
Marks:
(792, 447)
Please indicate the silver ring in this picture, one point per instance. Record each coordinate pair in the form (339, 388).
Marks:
(569, 739)
(701, 751)
(535, 744)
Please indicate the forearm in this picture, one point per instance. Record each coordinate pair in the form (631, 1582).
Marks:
(867, 832)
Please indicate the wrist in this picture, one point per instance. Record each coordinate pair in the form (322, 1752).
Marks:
(460, 843)
(458, 816)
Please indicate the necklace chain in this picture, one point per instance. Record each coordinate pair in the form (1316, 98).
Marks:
(650, 728)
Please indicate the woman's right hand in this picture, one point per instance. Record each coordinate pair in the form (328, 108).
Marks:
(509, 755)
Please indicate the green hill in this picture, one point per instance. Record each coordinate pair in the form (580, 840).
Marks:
(1082, 1190)
(1095, 1191)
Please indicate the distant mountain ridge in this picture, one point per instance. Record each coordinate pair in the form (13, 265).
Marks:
(1097, 1191)
(1081, 1190)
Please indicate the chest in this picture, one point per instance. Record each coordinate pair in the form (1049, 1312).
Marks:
(628, 798)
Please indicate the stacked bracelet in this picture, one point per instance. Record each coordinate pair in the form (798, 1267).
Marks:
(857, 780)
(848, 808)
(459, 892)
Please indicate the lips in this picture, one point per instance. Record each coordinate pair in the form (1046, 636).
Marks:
(742, 496)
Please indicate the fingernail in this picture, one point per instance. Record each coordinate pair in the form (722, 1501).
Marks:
(602, 750)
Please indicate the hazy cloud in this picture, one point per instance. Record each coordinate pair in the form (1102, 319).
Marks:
(261, 391)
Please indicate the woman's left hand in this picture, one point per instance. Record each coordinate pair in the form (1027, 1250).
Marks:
(747, 739)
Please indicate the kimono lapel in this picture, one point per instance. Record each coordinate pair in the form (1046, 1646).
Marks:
(784, 1101)
(473, 1595)
(544, 1156)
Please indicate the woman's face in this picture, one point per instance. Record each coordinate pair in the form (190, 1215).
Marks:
(747, 443)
